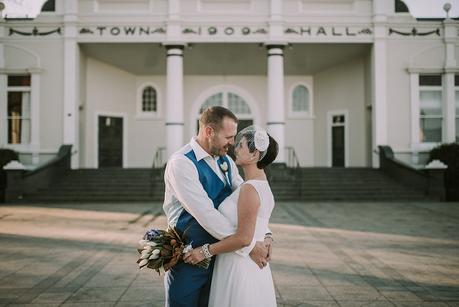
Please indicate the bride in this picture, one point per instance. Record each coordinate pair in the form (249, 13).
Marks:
(237, 280)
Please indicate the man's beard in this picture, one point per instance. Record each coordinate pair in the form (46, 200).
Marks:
(217, 151)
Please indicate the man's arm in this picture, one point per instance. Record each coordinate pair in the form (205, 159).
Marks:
(184, 180)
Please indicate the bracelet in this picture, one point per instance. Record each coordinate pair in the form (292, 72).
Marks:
(205, 251)
(269, 235)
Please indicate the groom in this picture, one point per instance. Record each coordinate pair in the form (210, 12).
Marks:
(198, 178)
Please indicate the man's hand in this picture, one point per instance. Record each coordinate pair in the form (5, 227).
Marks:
(194, 257)
(259, 254)
(269, 244)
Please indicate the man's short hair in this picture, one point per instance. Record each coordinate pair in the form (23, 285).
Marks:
(213, 116)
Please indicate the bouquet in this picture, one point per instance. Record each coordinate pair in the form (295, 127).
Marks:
(163, 249)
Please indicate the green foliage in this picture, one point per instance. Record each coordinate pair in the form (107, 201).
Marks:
(7, 155)
(446, 153)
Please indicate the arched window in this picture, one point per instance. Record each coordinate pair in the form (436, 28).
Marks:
(400, 7)
(233, 102)
(214, 100)
(300, 100)
(229, 100)
(149, 99)
(49, 6)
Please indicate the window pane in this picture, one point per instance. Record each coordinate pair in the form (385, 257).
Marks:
(338, 119)
(18, 131)
(300, 99)
(456, 80)
(14, 104)
(149, 99)
(18, 114)
(237, 105)
(430, 103)
(49, 6)
(431, 129)
(400, 7)
(18, 80)
(214, 100)
(430, 80)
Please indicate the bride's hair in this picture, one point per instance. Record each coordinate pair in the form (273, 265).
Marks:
(271, 153)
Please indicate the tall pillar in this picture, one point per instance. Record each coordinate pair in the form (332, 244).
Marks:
(174, 107)
(35, 111)
(3, 97)
(276, 107)
(71, 80)
(449, 108)
(379, 79)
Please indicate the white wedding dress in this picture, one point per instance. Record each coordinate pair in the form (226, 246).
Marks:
(237, 281)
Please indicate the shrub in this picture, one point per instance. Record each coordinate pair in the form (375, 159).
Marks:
(446, 153)
(7, 155)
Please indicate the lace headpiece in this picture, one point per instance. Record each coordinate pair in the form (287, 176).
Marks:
(257, 138)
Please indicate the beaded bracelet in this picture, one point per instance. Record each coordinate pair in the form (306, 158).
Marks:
(205, 251)
(269, 235)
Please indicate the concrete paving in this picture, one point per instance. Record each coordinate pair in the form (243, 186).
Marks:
(326, 254)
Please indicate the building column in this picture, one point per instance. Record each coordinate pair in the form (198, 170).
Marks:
(276, 107)
(174, 107)
(449, 107)
(379, 79)
(71, 81)
(35, 120)
(3, 99)
(415, 129)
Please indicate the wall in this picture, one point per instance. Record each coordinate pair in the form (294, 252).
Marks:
(341, 88)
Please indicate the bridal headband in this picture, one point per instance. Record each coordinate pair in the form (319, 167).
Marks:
(257, 138)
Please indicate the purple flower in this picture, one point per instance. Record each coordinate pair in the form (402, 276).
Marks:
(151, 234)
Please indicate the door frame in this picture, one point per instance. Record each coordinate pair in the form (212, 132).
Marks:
(330, 115)
(96, 135)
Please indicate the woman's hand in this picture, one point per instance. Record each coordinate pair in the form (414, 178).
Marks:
(194, 257)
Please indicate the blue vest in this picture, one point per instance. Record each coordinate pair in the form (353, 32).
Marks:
(217, 191)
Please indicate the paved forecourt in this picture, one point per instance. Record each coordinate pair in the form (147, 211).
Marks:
(326, 254)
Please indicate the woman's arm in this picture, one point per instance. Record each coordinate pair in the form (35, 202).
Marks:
(247, 210)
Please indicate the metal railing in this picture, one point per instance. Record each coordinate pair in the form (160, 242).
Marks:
(292, 158)
(158, 160)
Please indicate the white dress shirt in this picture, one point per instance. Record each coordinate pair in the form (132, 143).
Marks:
(184, 191)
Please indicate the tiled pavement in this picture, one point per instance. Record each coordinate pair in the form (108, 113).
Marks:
(326, 254)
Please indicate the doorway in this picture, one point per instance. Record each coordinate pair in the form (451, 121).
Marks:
(110, 141)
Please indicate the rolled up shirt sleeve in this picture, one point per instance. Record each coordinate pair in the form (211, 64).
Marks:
(183, 178)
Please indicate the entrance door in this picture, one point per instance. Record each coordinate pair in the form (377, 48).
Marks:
(110, 141)
(338, 151)
(337, 139)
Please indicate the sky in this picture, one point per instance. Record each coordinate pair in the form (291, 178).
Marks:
(418, 8)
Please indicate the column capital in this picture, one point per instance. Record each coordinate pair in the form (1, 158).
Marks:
(270, 46)
(174, 50)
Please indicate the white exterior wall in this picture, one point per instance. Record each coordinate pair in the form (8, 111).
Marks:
(105, 88)
(44, 57)
(341, 88)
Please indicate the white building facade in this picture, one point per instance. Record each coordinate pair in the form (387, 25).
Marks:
(330, 80)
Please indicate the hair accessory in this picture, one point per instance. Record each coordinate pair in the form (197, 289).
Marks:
(261, 140)
(257, 139)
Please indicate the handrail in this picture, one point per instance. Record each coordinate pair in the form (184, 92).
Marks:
(292, 158)
(158, 160)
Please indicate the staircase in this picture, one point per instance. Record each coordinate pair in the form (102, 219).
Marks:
(110, 184)
(338, 184)
(288, 184)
